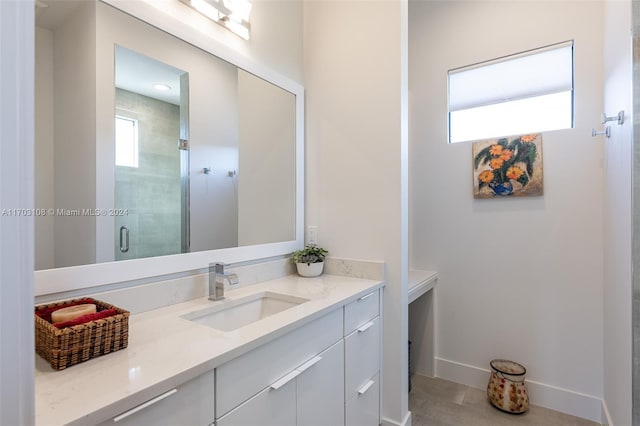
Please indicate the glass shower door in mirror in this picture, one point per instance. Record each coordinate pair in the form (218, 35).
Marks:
(149, 187)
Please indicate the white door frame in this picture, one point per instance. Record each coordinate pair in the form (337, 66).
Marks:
(16, 226)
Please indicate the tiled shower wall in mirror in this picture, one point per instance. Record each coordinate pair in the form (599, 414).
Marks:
(150, 190)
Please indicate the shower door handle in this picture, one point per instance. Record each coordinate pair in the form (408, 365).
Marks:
(124, 239)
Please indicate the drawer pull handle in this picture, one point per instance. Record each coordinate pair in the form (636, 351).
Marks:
(366, 387)
(366, 296)
(286, 379)
(366, 326)
(144, 405)
(309, 364)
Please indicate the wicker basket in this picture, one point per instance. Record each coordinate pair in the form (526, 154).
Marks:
(68, 346)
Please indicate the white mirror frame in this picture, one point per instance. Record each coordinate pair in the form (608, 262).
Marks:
(171, 17)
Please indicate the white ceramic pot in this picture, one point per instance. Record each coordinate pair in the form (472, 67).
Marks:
(310, 269)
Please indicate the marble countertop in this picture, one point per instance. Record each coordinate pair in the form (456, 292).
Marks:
(166, 350)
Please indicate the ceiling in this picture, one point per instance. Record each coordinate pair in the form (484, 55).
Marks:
(138, 73)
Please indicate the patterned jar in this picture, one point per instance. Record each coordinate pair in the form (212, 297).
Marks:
(506, 389)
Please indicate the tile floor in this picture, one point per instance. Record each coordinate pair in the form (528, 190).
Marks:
(437, 402)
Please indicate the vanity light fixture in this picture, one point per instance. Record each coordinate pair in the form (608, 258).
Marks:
(232, 14)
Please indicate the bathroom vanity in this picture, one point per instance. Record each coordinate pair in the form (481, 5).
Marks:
(316, 358)
(315, 362)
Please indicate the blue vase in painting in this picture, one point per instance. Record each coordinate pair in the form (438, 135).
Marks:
(502, 189)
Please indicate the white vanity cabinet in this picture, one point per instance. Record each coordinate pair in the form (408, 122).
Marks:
(191, 403)
(326, 372)
(271, 407)
(320, 389)
(317, 364)
(312, 394)
(362, 361)
(297, 379)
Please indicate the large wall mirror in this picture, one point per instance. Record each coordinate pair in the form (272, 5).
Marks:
(156, 154)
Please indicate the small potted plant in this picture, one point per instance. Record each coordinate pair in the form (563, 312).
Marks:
(309, 260)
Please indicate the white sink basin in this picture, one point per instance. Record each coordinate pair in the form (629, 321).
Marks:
(237, 313)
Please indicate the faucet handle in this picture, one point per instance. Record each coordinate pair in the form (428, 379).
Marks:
(233, 279)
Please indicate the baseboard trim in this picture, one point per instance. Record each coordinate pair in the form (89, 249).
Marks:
(606, 416)
(405, 422)
(541, 394)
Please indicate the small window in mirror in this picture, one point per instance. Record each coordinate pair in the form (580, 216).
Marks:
(528, 92)
(126, 142)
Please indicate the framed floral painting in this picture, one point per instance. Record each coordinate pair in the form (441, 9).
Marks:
(508, 167)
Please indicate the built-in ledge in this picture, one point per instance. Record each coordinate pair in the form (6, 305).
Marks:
(420, 282)
(422, 321)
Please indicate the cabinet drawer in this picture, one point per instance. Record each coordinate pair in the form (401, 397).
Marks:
(361, 311)
(362, 356)
(271, 407)
(364, 408)
(189, 404)
(245, 376)
(320, 390)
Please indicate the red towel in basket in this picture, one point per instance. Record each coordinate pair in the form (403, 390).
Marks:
(45, 313)
(86, 318)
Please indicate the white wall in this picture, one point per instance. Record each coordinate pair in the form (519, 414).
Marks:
(618, 92)
(356, 156)
(276, 37)
(16, 232)
(519, 278)
(267, 174)
(44, 148)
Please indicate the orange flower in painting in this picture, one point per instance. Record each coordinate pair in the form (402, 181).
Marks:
(514, 172)
(528, 138)
(496, 163)
(495, 150)
(506, 155)
(486, 176)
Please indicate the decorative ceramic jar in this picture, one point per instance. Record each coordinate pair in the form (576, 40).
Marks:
(310, 269)
(506, 389)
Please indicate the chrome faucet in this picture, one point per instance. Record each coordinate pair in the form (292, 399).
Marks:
(217, 278)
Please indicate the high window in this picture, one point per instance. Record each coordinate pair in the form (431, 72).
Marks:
(528, 92)
(126, 141)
